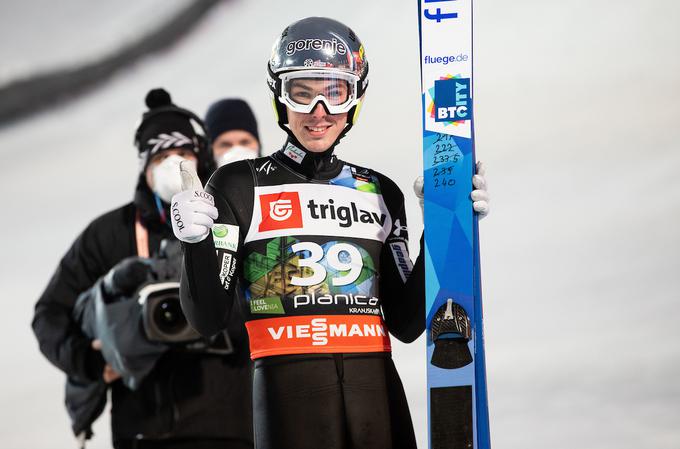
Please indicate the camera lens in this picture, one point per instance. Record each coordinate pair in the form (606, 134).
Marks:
(168, 316)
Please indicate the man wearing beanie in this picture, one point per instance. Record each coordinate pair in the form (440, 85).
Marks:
(199, 399)
(232, 130)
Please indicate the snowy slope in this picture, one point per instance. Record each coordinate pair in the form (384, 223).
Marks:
(42, 35)
(577, 104)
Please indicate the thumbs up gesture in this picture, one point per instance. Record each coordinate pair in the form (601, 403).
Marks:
(192, 210)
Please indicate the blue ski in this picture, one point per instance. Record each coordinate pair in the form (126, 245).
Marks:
(458, 414)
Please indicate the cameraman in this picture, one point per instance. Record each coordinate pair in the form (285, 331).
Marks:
(189, 399)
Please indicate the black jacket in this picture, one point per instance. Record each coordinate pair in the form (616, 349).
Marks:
(187, 395)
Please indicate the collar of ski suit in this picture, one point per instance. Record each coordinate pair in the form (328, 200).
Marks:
(313, 165)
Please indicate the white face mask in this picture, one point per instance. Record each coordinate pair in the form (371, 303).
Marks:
(166, 178)
(236, 153)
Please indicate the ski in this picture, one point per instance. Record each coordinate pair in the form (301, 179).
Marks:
(458, 415)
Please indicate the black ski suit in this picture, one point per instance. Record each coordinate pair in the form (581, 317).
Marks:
(320, 247)
(187, 396)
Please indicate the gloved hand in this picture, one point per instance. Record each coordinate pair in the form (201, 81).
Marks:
(124, 278)
(192, 210)
(108, 373)
(479, 196)
(419, 190)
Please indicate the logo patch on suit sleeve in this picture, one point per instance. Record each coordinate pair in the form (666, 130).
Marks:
(225, 236)
(402, 259)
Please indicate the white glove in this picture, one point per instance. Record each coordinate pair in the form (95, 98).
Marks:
(192, 210)
(479, 196)
(419, 189)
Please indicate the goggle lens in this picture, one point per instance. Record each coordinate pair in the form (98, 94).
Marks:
(303, 90)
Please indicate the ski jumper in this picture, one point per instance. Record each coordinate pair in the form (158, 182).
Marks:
(319, 246)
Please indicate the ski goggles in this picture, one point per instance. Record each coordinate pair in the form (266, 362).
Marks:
(302, 90)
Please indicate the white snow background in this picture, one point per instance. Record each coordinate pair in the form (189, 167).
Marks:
(577, 109)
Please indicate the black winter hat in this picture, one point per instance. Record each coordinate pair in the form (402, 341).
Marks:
(228, 114)
(166, 126)
(163, 126)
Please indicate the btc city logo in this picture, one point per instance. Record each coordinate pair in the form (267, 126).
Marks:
(280, 211)
(452, 101)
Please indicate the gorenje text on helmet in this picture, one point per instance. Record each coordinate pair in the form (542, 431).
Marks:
(331, 46)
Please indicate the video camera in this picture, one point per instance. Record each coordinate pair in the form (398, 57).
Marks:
(162, 316)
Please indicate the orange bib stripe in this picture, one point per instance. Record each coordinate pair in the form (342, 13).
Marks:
(317, 333)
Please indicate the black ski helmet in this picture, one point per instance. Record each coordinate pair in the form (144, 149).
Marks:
(317, 44)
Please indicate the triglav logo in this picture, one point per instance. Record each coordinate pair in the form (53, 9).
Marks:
(318, 209)
(345, 216)
(280, 211)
